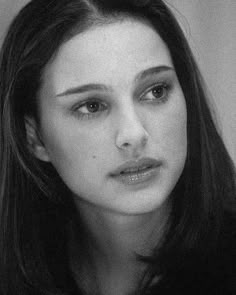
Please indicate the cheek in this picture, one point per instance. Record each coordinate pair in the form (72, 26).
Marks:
(171, 133)
(174, 136)
(73, 150)
(68, 150)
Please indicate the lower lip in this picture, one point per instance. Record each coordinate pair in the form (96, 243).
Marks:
(138, 177)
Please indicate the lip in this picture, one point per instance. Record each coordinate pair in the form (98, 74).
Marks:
(134, 172)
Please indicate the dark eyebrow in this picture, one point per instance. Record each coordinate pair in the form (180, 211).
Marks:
(83, 88)
(102, 87)
(153, 70)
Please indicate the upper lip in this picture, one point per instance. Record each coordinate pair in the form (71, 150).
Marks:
(134, 166)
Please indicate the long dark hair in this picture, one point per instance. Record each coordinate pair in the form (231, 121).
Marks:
(34, 212)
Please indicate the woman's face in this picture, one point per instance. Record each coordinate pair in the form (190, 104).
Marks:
(113, 118)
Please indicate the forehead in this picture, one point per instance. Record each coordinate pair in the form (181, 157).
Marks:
(106, 54)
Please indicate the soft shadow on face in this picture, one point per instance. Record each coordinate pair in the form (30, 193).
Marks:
(109, 98)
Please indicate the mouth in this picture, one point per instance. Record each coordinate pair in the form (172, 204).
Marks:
(134, 172)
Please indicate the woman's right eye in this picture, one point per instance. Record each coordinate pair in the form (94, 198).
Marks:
(89, 108)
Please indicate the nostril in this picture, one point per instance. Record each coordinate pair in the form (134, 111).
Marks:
(131, 134)
(145, 138)
(125, 144)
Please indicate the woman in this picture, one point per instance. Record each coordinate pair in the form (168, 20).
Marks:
(114, 179)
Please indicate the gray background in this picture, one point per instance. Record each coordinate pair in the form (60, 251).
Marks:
(210, 27)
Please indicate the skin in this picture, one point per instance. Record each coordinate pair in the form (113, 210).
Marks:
(129, 124)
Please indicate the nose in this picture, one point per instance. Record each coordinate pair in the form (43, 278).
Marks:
(131, 134)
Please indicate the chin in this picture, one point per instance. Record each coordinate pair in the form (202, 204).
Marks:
(142, 203)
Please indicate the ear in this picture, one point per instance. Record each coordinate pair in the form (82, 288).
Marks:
(34, 140)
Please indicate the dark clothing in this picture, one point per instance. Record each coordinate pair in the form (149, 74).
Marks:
(215, 275)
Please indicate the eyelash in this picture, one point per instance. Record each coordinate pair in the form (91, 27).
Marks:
(162, 85)
(88, 115)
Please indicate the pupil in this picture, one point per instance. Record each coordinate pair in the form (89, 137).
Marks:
(158, 91)
(93, 107)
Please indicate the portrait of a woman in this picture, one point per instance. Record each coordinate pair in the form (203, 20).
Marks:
(114, 179)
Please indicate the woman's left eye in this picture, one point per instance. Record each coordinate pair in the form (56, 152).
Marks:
(157, 93)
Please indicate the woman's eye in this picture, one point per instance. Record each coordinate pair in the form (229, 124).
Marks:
(89, 108)
(157, 93)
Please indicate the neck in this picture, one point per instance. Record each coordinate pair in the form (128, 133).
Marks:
(113, 240)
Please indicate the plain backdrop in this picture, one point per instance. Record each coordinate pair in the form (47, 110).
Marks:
(210, 27)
